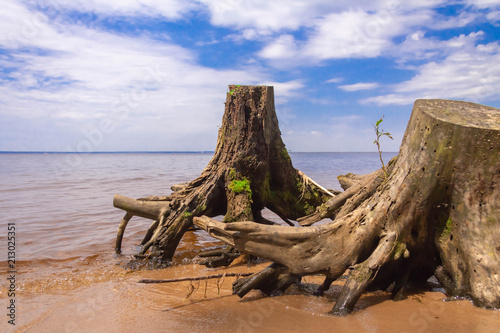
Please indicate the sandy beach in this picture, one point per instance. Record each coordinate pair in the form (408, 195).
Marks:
(91, 299)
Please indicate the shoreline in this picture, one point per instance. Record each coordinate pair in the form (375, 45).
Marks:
(118, 303)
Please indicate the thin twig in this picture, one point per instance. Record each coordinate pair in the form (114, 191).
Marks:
(306, 180)
(220, 281)
(197, 278)
(191, 290)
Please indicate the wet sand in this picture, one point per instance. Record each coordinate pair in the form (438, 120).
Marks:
(97, 298)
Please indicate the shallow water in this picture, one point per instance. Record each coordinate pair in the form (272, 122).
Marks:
(69, 280)
(62, 203)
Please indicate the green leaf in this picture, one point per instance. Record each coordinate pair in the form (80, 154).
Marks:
(379, 121)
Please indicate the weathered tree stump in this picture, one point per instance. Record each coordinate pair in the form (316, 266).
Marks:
(438, 212)
(250, 170)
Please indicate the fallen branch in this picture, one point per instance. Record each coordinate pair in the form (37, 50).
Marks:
(197, 278)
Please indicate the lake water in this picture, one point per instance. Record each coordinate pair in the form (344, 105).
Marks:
(62, 203)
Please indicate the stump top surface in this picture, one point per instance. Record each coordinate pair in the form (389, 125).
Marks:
(461, 113)
(233, 86)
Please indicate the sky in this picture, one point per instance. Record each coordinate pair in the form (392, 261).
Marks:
(152, 75)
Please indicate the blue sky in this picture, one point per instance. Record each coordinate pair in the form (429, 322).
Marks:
(152, 75)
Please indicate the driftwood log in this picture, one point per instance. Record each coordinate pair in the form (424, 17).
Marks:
(250, 170)
(438, 212)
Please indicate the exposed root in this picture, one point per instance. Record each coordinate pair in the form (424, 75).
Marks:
(339, 205)
(349, 180)
(361, 275)
(273, 280)
(150, 232)
(324, 286)
(218, 258)
(121, 231)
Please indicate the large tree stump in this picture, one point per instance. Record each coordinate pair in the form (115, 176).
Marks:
(438, 212)
(250, 170)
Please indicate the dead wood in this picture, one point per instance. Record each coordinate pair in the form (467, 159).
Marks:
(439, 208)
(250, 170)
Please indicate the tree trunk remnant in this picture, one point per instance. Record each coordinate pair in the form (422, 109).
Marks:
(438, 212)
(250, 170)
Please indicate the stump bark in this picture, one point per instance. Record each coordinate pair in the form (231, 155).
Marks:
(438, 212)
(250, 170)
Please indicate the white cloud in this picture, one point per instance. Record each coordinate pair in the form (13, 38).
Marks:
(484, 3)
(283, 47)
(287, 15)
(417, 47)
(450, 22)
(284, 90)
(350, 34)
(359, 86)
(171, 9)
(74, 75)
(77, 76)
(493, 16)
(471, 74)
(271, 16)
(335, 80)
(340, 32)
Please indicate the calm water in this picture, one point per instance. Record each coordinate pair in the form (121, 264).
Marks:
(62, 203)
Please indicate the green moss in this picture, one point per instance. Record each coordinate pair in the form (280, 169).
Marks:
(265, 188)
(227, 219)
(309, 209)
(232, 91)
(285, 155)
(221, 136)
(361, 273)
(232, 173)
(399, 251)
(200, 209)
(238, 186)
(446, 230)
(187, 215)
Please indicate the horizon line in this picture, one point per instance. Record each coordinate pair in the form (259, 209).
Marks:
(174, 152)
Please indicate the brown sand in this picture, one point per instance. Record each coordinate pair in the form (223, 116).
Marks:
(115, 302)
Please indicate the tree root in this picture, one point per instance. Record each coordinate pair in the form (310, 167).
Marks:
(148, 208)
(438, 200)
(273, 280)
(348, 200)
(219, 258)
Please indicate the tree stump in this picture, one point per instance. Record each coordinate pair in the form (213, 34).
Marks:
(438, 212)
(250, 170)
